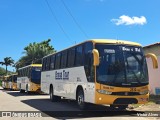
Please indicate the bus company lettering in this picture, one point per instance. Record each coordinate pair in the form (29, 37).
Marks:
(131, 49)
(62, 75)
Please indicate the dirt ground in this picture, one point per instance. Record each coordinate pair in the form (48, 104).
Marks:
(148, 107)
(152, 105)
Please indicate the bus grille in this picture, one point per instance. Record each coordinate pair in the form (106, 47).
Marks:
(125, 101)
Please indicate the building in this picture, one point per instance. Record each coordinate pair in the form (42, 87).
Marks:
(154, 74)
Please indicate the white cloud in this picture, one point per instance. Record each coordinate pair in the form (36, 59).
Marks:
(126, 20)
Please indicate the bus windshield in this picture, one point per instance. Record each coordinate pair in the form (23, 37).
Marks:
(36, 75)
(15, 78)
(121, 65)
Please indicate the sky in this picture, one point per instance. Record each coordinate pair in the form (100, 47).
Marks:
(67, 22)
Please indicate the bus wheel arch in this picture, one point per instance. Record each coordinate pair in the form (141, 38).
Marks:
(80, 98)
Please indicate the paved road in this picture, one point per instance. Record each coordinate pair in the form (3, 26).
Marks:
(21, 102)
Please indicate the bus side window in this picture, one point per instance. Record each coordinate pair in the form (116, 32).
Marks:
(28, 72)
(43, 64)
(48, 63)
(79, 56)
(52, 62)
(18, 73)
(22, 72)
(88, 61)
(71, 57)
(64, 59)
(58, 61)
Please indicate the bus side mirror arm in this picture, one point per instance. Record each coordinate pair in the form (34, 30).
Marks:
(154, 59)
(95, 57)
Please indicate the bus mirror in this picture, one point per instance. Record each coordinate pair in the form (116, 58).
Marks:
(154, 59)
(95, 57)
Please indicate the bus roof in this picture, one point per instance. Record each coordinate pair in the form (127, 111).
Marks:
(112, 41)
(6, 77)
(104, 41)
(31, 65)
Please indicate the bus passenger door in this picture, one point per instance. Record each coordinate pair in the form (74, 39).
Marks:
(89, 70)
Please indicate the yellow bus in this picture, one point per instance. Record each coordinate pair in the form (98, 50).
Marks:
(13, 82)
(99, 71)
(5, 82)
(29, 78)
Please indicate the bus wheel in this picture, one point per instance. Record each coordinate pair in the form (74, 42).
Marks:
(53, 98)
(22, 91)
(27, 91)
(80, 100)
(51, 94)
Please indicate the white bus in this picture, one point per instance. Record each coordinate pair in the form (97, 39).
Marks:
(5, 82)
(29, 78)
(112, 72)
(13, 82)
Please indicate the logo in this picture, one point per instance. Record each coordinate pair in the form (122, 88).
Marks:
(6, 114)
(64, 75)
(126, 93)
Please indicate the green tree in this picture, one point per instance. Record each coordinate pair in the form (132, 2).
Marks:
(8, 61)
(2, 71)
(34, 52)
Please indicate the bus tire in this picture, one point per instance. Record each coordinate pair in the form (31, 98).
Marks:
(22, 91)
(27, 91)
(80, 100)
(11, 88)
(53, 98)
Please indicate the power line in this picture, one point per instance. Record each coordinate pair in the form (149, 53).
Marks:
(85, 34)
(53, 14)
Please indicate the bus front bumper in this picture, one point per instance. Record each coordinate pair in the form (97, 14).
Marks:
(121, 100)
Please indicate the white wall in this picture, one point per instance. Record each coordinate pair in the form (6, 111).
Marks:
(154, 75)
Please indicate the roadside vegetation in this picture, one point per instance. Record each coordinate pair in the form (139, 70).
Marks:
(8, 61)
(34, 52)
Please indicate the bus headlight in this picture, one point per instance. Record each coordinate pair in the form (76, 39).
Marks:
(144, 92)
(104, 92)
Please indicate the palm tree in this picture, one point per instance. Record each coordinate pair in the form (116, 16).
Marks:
(8, 61)
(34, 53)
